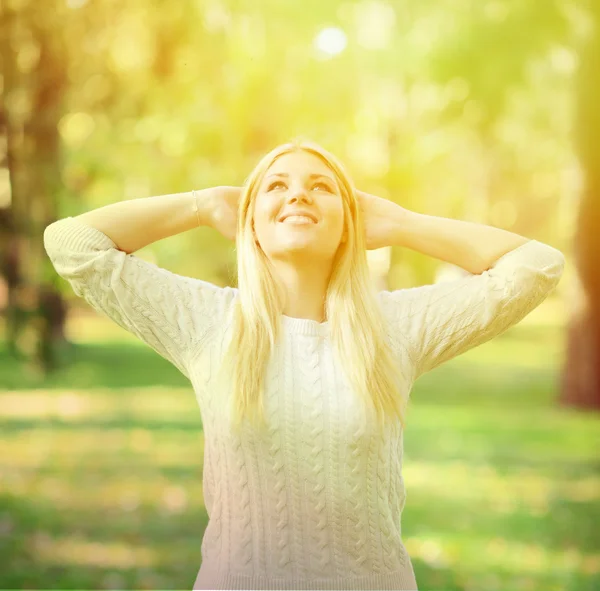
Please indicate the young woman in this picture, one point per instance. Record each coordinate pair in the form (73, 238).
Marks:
(303, 372)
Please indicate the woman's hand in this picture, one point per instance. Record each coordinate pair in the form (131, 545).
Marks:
(223, 210)
(381, 218)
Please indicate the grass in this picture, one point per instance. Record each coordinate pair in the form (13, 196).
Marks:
(101, 470)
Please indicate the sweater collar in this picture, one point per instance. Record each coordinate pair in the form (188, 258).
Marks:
(304, 326)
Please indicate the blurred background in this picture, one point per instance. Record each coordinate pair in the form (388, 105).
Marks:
(484, 110)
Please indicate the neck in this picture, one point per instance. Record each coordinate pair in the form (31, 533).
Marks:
(305, 290)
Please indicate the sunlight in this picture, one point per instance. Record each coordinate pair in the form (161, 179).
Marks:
(78, 550)
(499, 553)
(330, 41)
(76, 3)
(75, 128)
(375, 22)
(505, 493)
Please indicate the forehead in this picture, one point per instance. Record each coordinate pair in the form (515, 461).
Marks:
(299, 163)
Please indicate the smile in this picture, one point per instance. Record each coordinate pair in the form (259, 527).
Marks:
(298, 220)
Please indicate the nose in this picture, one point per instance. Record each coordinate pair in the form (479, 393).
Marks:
(299, 194)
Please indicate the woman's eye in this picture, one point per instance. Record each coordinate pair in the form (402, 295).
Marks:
(275, 183)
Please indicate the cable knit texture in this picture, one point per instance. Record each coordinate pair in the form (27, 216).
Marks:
(315, 501)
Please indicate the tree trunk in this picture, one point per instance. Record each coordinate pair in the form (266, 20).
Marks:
(35, 312)
(581, 376)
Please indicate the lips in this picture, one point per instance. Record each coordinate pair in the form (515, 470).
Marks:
(299, 212)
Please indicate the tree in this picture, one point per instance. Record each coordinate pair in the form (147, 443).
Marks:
(581, 374)
(32, 103)
(494, 51)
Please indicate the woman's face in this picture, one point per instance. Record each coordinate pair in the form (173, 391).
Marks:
(299, 181)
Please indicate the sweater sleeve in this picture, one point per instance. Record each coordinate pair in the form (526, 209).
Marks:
(435, 323)
(169, 312)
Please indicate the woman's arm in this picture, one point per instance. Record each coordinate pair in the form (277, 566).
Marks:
(170, 312)
(135, 223)
(435, 323)
(471, 246)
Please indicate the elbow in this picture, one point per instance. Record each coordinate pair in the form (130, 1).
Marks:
(49, 240)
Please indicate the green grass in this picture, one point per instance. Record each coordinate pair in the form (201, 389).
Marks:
(100, 472)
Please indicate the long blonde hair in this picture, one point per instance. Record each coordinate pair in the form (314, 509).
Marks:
(357, 329)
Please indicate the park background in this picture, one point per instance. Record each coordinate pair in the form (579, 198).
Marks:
(484, 110)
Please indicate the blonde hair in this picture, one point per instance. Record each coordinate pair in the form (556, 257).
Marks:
(357, 328)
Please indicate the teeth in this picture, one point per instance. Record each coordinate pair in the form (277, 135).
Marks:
(298, 219)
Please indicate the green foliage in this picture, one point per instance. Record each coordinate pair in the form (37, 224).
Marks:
(456, 108)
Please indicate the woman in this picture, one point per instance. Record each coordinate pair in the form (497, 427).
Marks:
(303, 372)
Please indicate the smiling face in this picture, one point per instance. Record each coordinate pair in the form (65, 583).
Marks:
(299, 181)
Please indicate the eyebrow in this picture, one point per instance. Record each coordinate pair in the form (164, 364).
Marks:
(314, 175)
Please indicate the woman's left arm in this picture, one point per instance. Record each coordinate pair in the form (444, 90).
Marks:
(469, 245)
(509, 276)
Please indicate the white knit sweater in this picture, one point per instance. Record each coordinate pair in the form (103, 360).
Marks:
(316, 502)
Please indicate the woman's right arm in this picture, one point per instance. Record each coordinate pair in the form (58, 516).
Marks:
(136, 223)
(92, 251)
